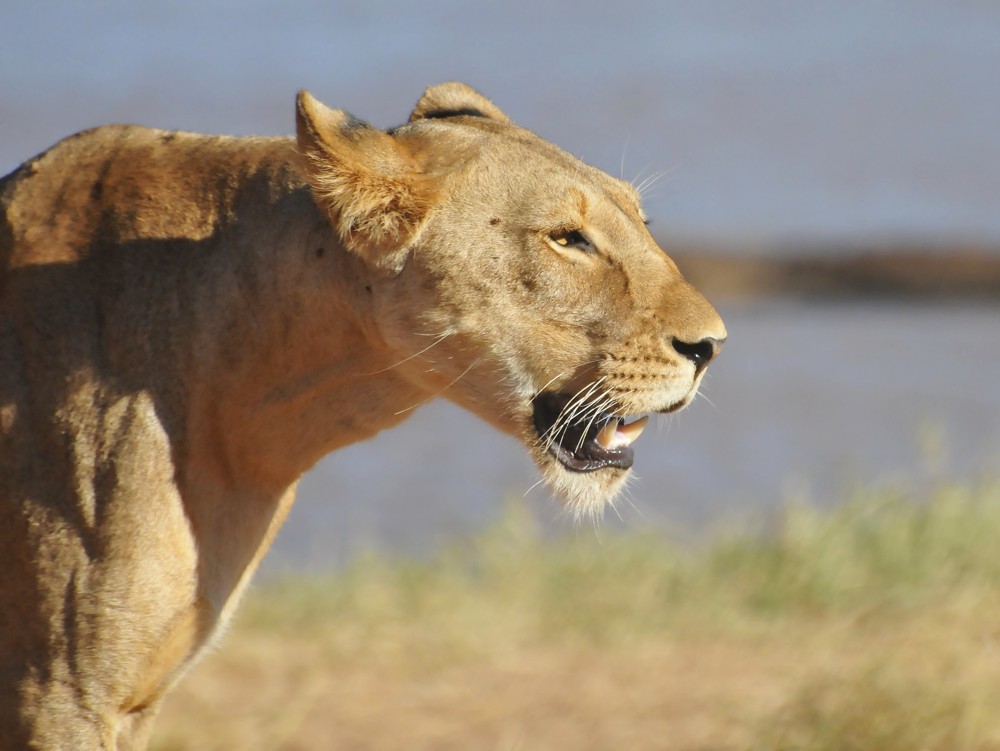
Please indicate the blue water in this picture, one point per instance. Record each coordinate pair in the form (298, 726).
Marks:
(771, 120)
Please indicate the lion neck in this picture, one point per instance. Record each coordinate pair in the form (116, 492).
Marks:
(296, 365)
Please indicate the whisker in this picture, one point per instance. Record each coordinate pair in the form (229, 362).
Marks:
(419, 333)
(567, 415)
(548, 438)
(436, 342)
(650, 181)
(590, 412)
(635, 180)
(566, 372)
(535, 485)
(552, 380)
(584, 393)
(594, 412)
(438, 393)
(569, 408)
(569, 412)
(627, 497)
(705, 397)
(614, 507)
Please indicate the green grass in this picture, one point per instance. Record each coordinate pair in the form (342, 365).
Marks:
(871, 626)
(877, 550)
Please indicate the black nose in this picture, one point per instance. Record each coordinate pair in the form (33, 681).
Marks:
(700, 353)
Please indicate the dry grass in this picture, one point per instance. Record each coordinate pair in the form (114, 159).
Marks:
(872, 627)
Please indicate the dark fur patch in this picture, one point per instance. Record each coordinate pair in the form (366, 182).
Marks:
(354, 123)
(443, 114)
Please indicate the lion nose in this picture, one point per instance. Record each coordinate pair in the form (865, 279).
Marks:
(700, 352)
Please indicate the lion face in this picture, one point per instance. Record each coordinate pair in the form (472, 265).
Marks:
(516, 281)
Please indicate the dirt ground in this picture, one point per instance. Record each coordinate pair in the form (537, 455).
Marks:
(849, 684)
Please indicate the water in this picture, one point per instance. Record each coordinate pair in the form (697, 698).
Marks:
(804, 399)
(777, 119)
(774, 118)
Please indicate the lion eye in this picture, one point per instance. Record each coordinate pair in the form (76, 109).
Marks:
(573, 239)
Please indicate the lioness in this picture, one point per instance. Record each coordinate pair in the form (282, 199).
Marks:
(188, 323)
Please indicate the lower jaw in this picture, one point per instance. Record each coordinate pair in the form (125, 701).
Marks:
(584, 494)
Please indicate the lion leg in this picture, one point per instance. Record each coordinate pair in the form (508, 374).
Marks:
(136, 728)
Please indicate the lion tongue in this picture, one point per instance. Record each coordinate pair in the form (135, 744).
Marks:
(616, 434)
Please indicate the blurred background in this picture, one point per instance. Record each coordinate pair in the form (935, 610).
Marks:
(829, 172)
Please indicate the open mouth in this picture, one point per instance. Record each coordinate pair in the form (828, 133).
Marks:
(587, 441)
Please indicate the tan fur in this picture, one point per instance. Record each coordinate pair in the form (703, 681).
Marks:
(188, 323)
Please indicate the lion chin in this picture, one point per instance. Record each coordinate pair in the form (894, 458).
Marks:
(584, 495)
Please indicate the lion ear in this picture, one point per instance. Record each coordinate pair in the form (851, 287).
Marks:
(455, 99)
(366, 179)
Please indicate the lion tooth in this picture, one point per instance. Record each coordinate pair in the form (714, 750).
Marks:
(632, 431)
(616, 434)
(606, 435)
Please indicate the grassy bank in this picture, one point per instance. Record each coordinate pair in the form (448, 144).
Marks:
(875, 626)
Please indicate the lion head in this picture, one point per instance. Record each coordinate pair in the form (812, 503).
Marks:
(515, 280)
